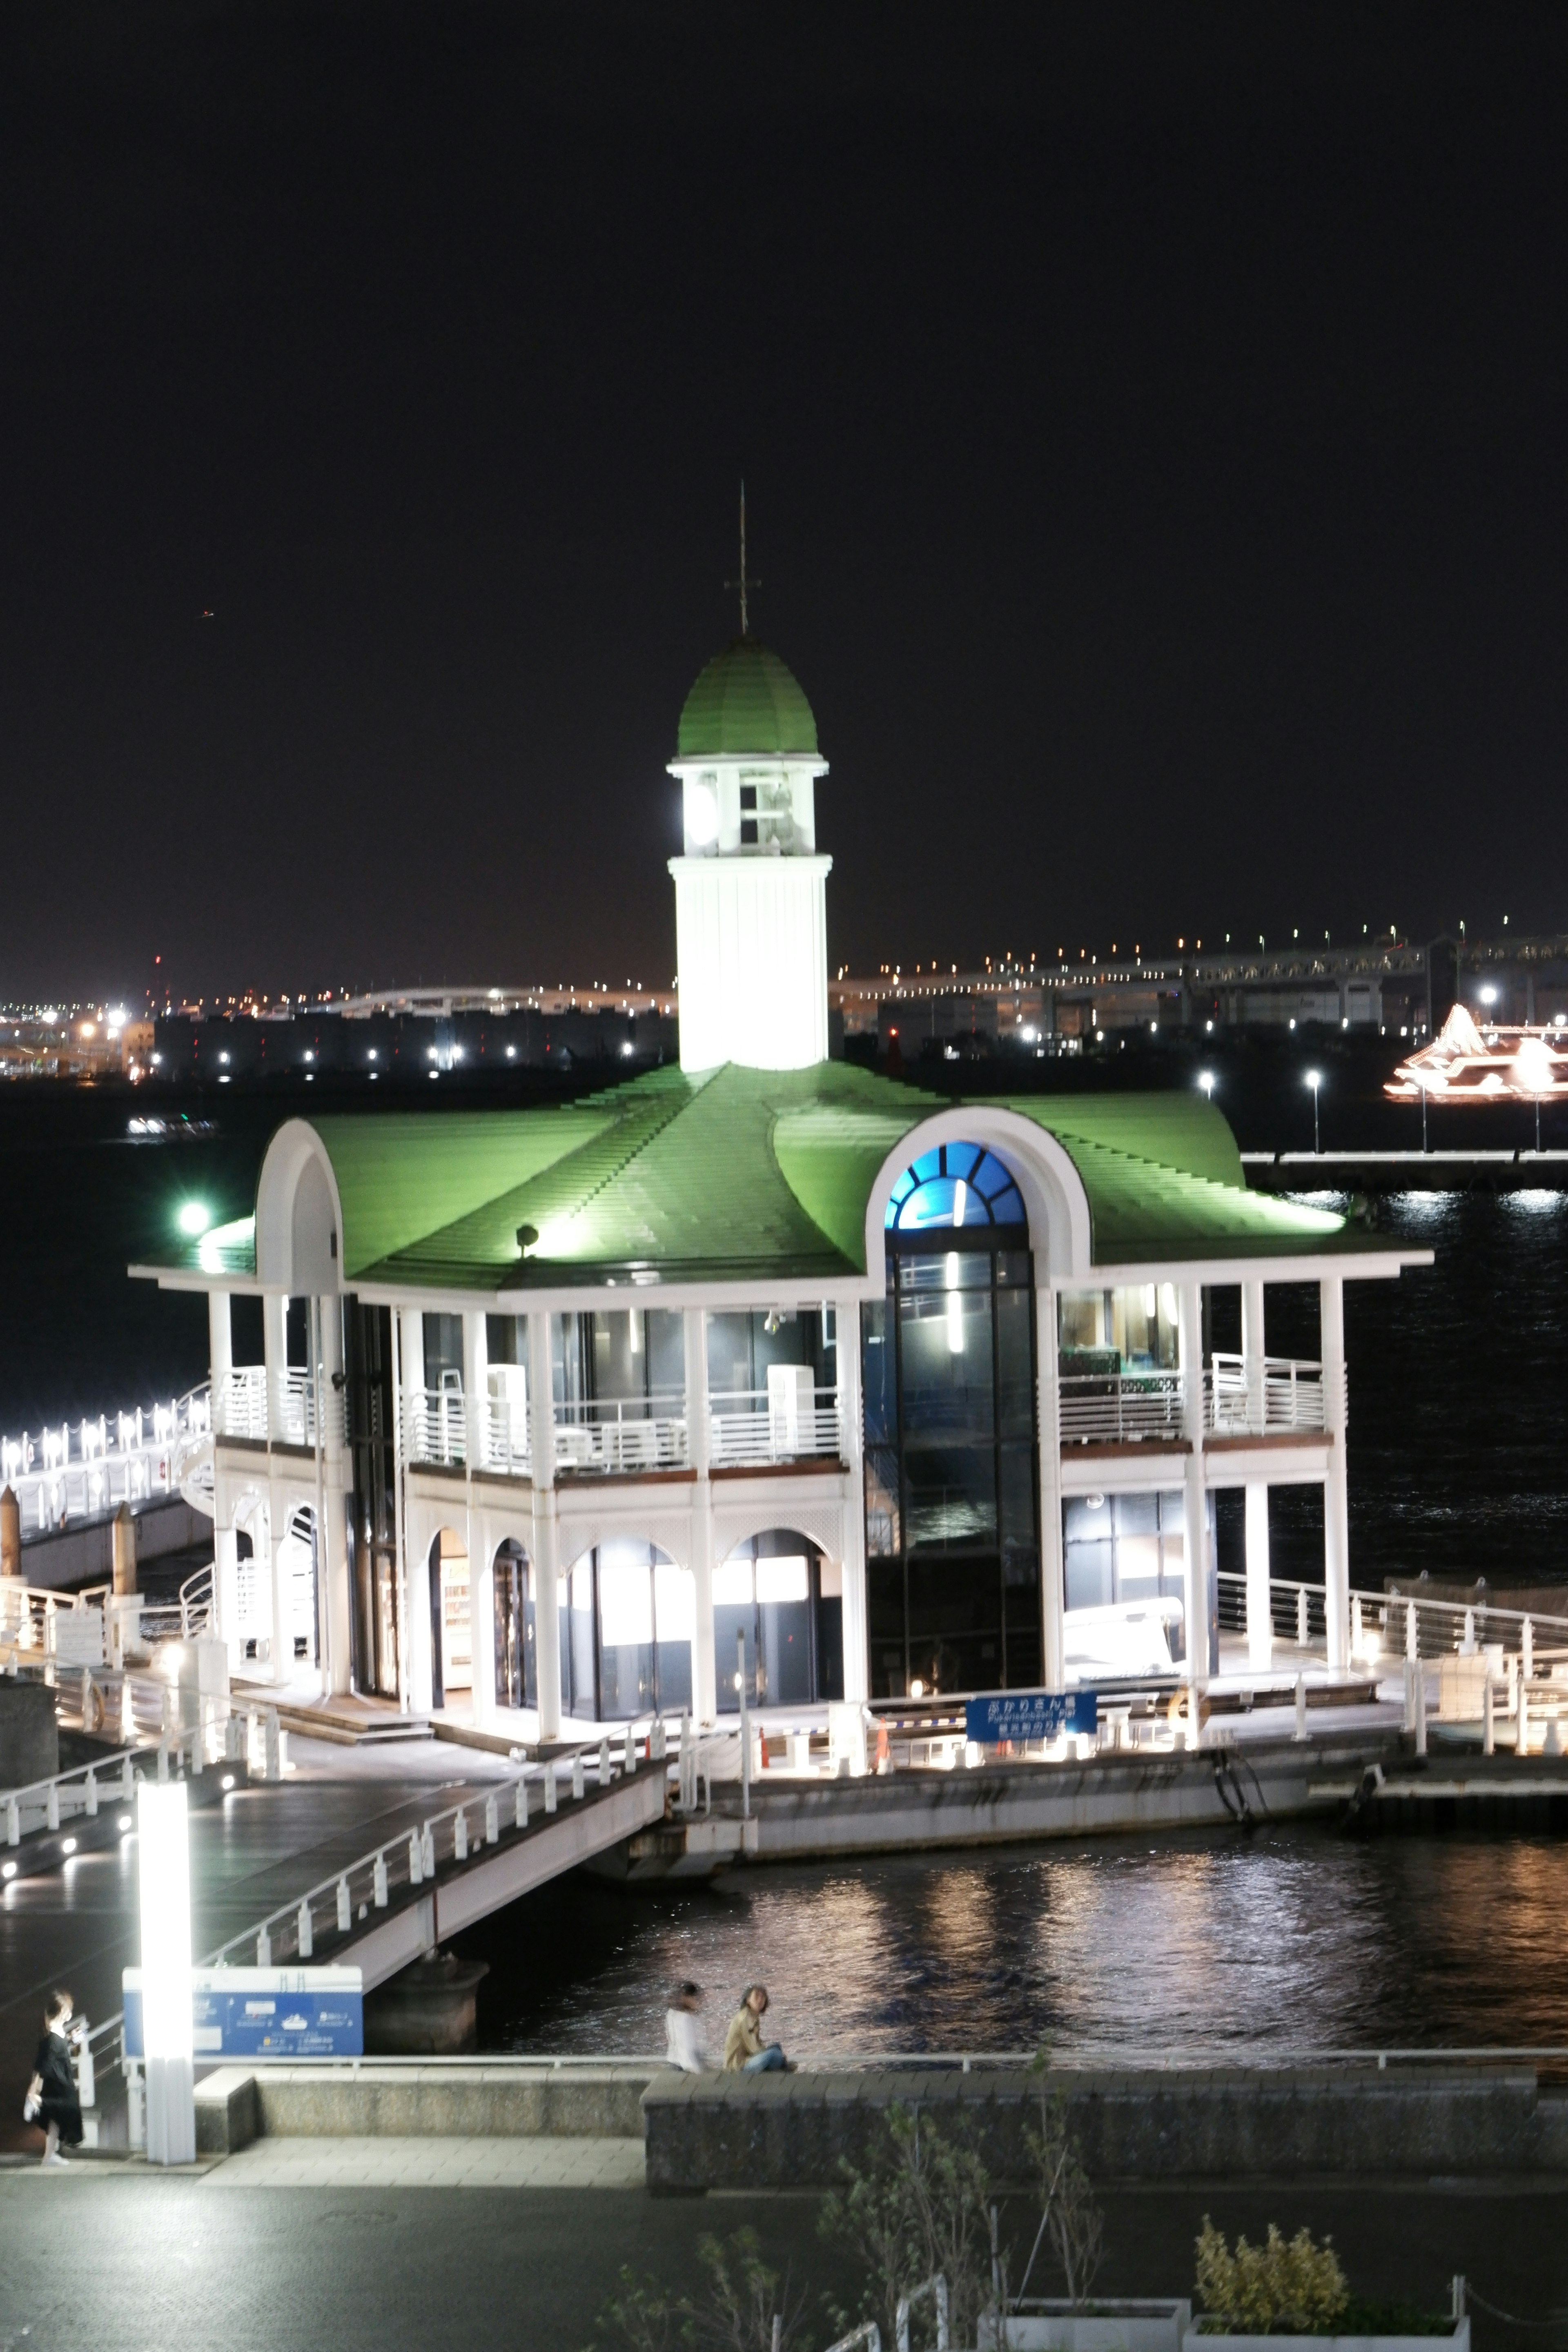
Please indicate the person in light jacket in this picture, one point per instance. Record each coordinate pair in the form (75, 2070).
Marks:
(745, 2052)
(683, 2029)
(51, 2095)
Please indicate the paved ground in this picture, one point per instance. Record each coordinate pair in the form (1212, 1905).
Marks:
(97, 2260)
(258, 1849)
(434, 2163)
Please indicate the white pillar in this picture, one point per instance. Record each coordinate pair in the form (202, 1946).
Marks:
(225, 1595)
(275, 1356)
(333, 1534)
(1253, 1352)
(419, 1669)
(852, 1428)
(476, 1388)
(220, 1341)
(1053, 1573)
(546, 1524)
(1190, 1337)
(414, 1636)
(1336, 1493)
(698, 1426)
(1259, 1622)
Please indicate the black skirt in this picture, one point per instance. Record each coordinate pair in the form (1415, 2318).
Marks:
(59, 2103)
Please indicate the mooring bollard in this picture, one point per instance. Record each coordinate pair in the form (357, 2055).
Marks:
(307, 1933)
(345, 1908)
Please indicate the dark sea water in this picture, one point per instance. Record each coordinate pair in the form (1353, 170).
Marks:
(1294, 1937)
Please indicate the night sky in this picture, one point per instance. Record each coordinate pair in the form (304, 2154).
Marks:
(1154, 420)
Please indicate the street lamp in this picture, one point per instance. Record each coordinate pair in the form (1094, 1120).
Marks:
(1315, 1079)
(1206, 1080)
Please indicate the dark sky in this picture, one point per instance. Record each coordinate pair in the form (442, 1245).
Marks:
(1155, 422)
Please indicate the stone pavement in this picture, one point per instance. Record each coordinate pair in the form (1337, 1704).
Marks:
(428, 2163)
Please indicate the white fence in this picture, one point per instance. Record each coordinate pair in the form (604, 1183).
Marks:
(625, 1436)
(1278, 1394)
(77, 1468)
(284, 1410)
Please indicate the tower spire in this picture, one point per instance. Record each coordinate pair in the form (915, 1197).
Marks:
(744, 584)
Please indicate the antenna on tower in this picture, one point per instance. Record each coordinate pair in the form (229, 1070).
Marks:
(742, 583)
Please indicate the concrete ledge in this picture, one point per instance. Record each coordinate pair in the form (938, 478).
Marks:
(778, 2131)
(236, 2105)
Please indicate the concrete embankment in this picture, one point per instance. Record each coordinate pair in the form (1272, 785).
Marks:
(236, 2104)
(786, 2131)
(1140, 1790)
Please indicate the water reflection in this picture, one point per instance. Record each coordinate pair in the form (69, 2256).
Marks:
(1294, 1938)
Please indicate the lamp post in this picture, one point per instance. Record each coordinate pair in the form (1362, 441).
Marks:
(1315, 1079)
(164, 1868)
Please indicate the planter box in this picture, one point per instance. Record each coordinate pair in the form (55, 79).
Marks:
(1456, 2338)
(1124, 2326)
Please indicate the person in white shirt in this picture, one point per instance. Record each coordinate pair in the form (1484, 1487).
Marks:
(683, 2029)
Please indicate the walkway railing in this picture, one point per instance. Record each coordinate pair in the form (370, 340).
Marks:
(77, 1468)
(1282, 1393)
(623, 1435)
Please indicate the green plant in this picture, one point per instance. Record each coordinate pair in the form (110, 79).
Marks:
(733, 2311)
(921, 2206)
(1070, 2218)
(1293, 2285)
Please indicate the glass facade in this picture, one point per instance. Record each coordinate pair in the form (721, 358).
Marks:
(628, 1621)
(780, 1596)
(951, 1469)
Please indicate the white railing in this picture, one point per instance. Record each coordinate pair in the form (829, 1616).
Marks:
(77, 1468)
(282, 1412)
(756, 1426)
(624, 1436)
(1110, 1408)
(1280, 1394)
(436, 1427)
(506, 1439)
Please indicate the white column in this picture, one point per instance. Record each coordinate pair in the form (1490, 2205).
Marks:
(275, 1356)
(476, 1367)
(852, 1436)
(1253, 1352)
(1259, 1622)
(225, 1595)
(334, 1530)
(698, 1426)
(1053, 1591)
(1336, 1493)
(220, 1341)
(419, 1669)
(1190, 1336)
(414, 1634)
(546, 1524)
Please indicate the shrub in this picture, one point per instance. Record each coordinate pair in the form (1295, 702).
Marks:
(922, 2206)
(1293, 2285)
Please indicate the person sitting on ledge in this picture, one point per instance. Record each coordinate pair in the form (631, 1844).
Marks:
(745, 2052)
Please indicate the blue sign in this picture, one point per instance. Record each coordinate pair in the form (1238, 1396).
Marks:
(254, 2013)
(1029, 1715)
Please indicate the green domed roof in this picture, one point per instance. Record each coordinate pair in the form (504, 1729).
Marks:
(745, 700)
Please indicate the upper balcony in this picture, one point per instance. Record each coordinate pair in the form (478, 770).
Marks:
(243, 1408)
(1276, 1397)
(628, 1437)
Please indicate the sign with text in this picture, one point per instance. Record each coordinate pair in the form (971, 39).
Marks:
(1029, 1715)
(258, 2013)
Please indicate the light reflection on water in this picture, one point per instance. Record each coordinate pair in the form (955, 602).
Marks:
(1293, 1939)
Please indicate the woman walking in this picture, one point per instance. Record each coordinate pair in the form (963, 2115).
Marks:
(51, 2095)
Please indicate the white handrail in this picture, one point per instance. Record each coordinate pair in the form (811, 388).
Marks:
(81, 1468)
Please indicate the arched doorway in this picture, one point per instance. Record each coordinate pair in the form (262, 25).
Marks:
(451, 1627)
(778, 1594)
(953, 1537)
(628, 1623)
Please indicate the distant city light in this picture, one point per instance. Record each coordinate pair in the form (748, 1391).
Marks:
(195, 1217)
(1206, 1080)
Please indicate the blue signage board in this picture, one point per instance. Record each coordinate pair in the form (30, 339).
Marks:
(1029, 1715)
(258, 2013)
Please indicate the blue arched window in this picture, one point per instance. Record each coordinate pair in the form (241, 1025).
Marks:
(960, 1186)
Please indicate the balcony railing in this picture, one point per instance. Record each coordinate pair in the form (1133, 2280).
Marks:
(623, 1435)
(1284, 1393)
(243, 1409)
(1120, 1407)
(755, 1427)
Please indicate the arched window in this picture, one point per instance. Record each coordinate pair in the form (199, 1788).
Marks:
(957, 1185)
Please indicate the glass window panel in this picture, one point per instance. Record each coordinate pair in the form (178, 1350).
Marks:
(1089, 1575)
(948, 1383)
(1086, 1518)
(666, 1341)
(882, 1523)
(730, 1370)
(782, 1580)
(625, 1600)
(443, 1347)
(950, 1498)
(946, 1270)
(951, 1597)
(1014, 1365)
(733, 1587)
(1019, 1477)
(878, 1374)
(1137, 1566)
(1136, 1514)
(675, 1602)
